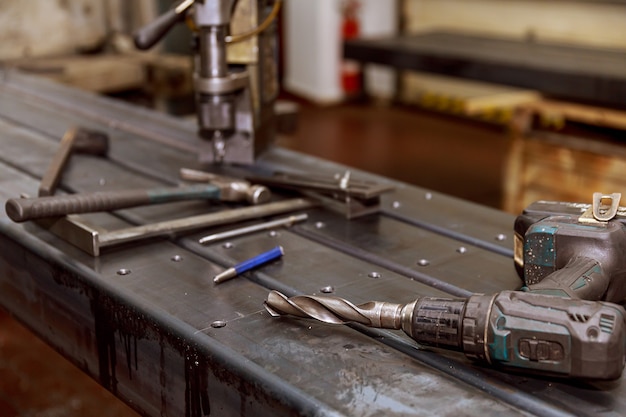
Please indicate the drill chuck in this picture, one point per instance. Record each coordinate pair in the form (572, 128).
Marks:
(517, 330)
(436, 322)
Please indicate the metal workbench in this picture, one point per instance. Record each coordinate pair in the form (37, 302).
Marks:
(146, 321)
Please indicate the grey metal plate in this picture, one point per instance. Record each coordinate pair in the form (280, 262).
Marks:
(169, 342)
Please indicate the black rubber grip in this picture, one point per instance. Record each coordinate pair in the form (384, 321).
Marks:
(22, 209)
(147, 36)
(438, 322)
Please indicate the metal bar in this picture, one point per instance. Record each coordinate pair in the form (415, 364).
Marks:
(343, 186)
(286, 221)
(91, 239)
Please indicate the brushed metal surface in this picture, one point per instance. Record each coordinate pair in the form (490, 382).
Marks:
(146, 321)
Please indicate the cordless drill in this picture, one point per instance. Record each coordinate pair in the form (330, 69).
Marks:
(530, 332)
(572, 249)
(570, 256)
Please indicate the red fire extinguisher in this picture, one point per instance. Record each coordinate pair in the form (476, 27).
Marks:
(350, 70)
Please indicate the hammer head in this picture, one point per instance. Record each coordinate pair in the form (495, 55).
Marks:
(91, 142)
(253, 194)
(231, 189)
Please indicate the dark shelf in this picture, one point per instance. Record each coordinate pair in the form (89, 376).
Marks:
(565, 71)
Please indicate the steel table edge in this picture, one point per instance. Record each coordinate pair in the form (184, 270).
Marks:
(191, 338)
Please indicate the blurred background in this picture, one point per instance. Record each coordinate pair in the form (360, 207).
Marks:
(525, 100)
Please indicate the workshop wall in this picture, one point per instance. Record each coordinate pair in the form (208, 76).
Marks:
(36, 28)
(43, 27)
(589, 23)
(313, 46)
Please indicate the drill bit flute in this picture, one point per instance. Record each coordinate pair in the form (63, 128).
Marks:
(516, 330)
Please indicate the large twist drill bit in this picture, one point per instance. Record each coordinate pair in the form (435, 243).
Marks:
(543, 333)
(335, 310)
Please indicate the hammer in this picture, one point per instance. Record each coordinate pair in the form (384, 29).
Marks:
(22, 209)
(219, 188)
(75, 140)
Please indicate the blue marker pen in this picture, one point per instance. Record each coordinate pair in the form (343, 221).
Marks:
(244, 266)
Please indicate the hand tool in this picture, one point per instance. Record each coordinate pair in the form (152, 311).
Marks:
(75, 140)
(232, 189)
(572, 249)
(514, 330)
(357, 196)
(286, 221)
(22, 209)
(247, 265)
(92, 239)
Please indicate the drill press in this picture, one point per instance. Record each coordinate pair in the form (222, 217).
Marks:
(235, 76)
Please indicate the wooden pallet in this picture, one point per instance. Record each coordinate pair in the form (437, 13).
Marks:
(480, 100)
(545, 164)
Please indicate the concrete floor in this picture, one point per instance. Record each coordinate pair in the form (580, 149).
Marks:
(37, 381)
(457, 157)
